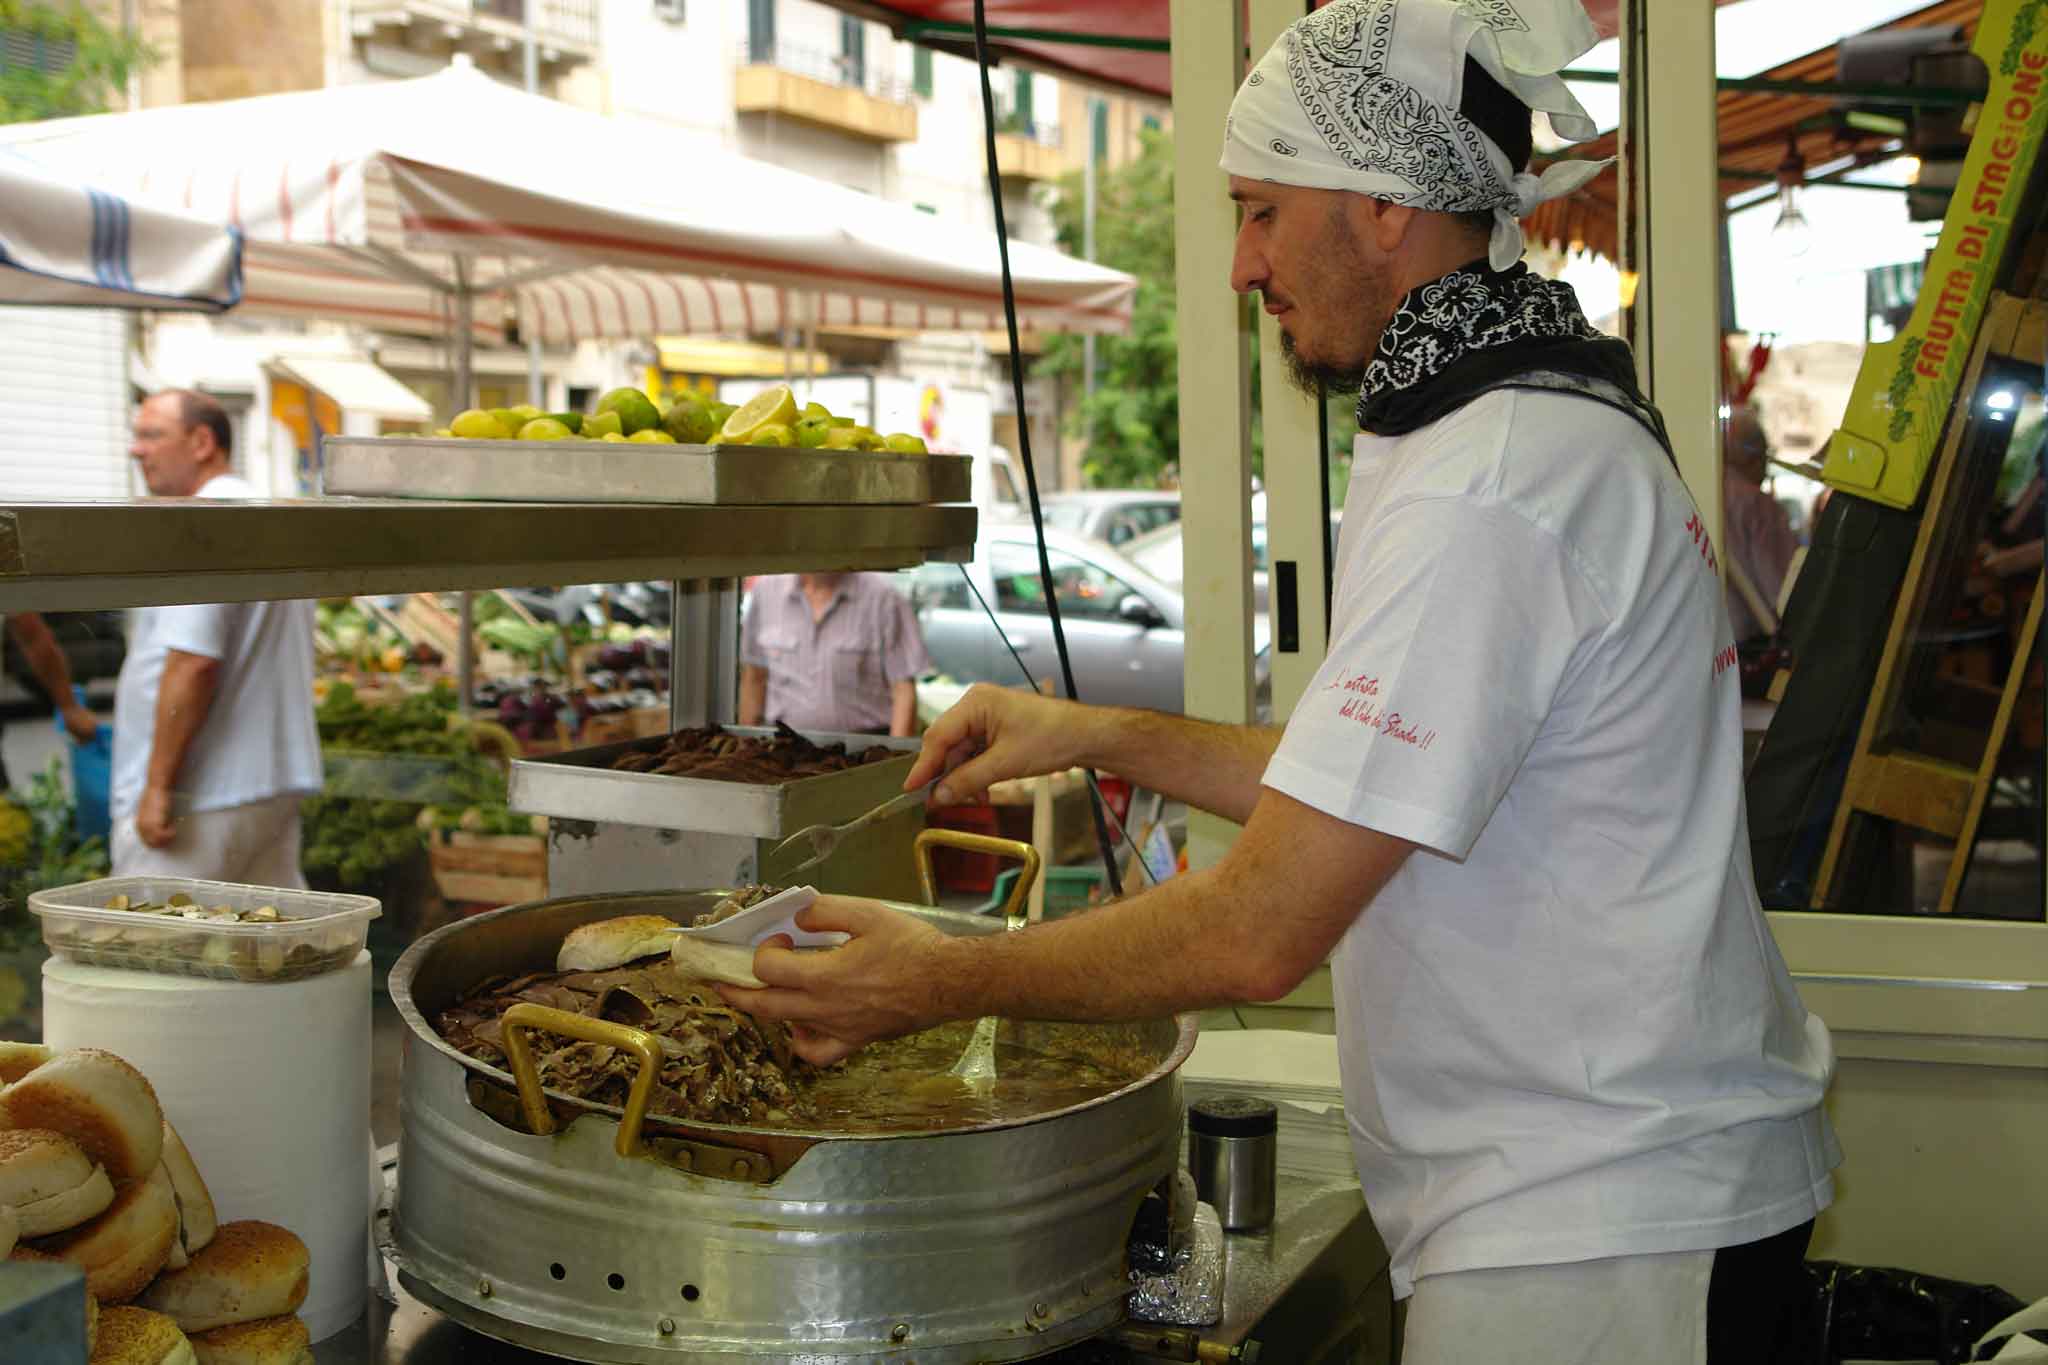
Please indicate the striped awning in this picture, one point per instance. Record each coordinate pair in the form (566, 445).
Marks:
(389, 203)
(70, 244)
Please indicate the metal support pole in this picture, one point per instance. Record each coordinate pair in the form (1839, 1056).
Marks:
(536, 382)
(465, 653)
(1088, 238)
(1675, 217)
(1297, 522)
(465, 337)
(703, 652)
(1215, 381)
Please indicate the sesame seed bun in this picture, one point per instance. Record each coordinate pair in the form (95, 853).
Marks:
(18, 1059)
(196, 1217)
(123, 1248)
(251, 1270)
(134, 1336)
(51, 1183)
(98, 1101)
(266, 1341)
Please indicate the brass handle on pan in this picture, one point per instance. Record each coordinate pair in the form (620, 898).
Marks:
(979, 843)
(526, 1074)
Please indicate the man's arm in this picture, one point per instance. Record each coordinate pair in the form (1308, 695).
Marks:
(753, 694)
(903, 707)
(995, 733)
(46, 660)
(183, 699)
(1249, 928)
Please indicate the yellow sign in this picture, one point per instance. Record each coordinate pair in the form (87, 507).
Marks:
(1906, 386)
(293, 405)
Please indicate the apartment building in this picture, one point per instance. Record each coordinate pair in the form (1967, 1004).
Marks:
(792, 82)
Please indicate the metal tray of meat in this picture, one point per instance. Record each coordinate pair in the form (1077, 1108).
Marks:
(611, 471)
(581, 784)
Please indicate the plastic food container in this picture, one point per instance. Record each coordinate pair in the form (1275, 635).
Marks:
(316, 931)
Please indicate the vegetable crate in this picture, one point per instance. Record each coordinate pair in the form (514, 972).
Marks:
(1066, 889)
(488, 869)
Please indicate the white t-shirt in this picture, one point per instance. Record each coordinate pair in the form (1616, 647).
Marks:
(259, 739)
(1565, 1030)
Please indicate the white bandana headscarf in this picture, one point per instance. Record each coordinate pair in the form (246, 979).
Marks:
(1362, 95)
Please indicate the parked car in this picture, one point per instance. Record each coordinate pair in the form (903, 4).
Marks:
(1160, 553)
(94, 643)
(1114, 515)
(1125, 628)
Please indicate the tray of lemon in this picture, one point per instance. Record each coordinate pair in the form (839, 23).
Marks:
(630, 448)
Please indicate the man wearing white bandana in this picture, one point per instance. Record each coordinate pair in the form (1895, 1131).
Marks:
(1584, 1097)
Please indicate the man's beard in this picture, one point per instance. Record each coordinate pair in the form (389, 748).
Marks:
(1318, 380)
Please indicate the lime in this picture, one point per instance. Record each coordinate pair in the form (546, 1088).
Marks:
(812, 431)
(544, 429)
(721, 411)
(689, 421)
(616, 437)
(653, 436)
(773, 405)
(526, 412)
(443, 431)
(817, 410)
(841, 421)
(903, 443)
(636, 410)
(604, 423)
(475, 424)
(842, 438)
(866, 438)
(510, 419)
(772, 434)
(571, 420)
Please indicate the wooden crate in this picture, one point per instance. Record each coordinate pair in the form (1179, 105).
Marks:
(489, 869)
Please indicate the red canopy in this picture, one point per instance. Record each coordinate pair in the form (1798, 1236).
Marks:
(1142, 71)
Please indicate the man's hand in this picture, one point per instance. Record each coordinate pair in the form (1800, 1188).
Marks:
(883, 983)
(81, 723)
(153, 822)
(996, 733)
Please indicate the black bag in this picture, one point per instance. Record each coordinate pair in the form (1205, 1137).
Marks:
(1870, 1313)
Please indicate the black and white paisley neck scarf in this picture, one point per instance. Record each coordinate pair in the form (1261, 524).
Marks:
(1478, 329)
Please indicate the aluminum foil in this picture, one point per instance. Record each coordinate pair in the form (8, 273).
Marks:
(1191, 1293)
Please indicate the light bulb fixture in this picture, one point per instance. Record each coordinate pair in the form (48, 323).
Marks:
(1791, 234)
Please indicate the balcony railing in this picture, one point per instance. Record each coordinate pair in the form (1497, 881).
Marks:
(1044, 134)
(570, 26)
(831, 68)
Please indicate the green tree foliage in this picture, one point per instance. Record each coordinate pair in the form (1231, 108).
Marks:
(1132, 421)
(79, 63)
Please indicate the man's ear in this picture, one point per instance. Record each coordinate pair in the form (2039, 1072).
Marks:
(1390, 224)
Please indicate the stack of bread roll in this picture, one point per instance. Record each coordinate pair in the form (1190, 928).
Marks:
(91, 1173)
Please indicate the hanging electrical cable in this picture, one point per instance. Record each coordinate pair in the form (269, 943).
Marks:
(1052, 601)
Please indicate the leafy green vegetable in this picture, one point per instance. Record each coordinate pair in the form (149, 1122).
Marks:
(357, 836)
(42, 850)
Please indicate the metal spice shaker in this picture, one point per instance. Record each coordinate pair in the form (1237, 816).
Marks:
(1232, 1153)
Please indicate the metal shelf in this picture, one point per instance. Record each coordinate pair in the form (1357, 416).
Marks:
(72, 556)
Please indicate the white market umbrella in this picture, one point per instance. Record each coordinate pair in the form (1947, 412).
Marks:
(425, 205)
(68, 244)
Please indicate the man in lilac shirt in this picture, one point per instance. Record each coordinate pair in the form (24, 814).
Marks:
(836, 652)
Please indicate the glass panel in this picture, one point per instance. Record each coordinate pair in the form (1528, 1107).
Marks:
(921, 71)
(760, 30)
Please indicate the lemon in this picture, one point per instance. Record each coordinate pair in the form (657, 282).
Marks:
(841, 421)
(689, 421)
(812, 431)
(866, 438)
(544, 429)
(817, 410)
(842, 438)
(477, 425)
(903, 443)
(775, 406)
(616, 437)
(510, 419)
(772, 434)
(636, 410)
(602, 425)
(653, 436)
(526, 412)
(443, 431)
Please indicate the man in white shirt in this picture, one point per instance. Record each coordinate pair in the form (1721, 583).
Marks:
(214, 741)
(1583, 1095)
